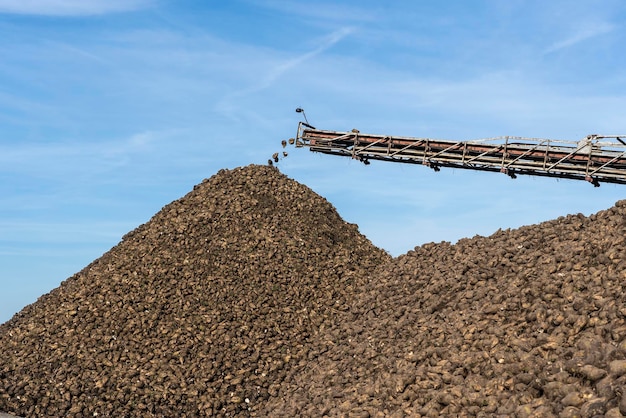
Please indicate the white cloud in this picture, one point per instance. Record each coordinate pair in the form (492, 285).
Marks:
(60, 232)
(277, 70)
(70, 7)
(81, 160)
(584, 33)
(321, 11)
(325, 44)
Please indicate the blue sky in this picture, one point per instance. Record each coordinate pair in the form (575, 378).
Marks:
(111, 109)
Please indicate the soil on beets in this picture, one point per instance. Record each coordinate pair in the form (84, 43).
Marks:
(250, 296)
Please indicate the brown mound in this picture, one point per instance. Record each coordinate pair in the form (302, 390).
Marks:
(251, 297)
(202, 311)
(529, 322)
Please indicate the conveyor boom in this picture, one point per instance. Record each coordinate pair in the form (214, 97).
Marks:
(596, 158)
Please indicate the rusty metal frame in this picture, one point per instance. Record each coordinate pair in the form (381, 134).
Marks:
(602, 162)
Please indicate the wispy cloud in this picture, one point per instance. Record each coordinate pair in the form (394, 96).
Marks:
(321, 11)
(583, 34)
(75, 158)
(74, 51)
(70, 7)
(325, 44)
(60, 232)
(277, 71)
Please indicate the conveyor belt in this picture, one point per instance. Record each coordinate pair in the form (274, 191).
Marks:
(596, 158)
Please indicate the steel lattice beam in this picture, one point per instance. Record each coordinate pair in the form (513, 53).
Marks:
(596, 158)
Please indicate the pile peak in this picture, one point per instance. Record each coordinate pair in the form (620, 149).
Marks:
(201, 311)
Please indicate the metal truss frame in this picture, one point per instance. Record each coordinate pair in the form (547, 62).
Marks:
(595, 158)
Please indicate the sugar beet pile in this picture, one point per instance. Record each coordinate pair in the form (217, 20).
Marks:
(250, 296)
